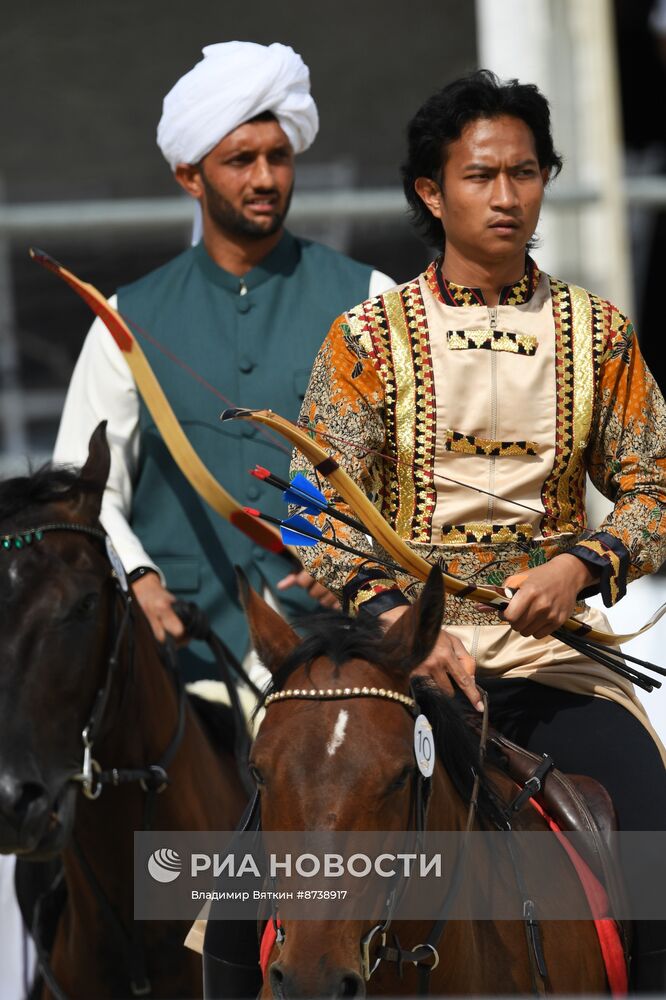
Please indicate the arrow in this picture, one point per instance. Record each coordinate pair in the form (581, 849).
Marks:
(300, 492)
(295, 530)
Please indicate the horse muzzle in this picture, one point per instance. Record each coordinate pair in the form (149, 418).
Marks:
(32, 823)
(339, 982)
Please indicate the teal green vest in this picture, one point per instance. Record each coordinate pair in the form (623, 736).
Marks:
(256, 349)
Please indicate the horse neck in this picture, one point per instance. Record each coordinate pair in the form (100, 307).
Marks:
(143, 721)
(142, 714)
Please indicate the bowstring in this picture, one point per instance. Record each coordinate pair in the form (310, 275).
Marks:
(136, 327)
(363, 451)
(326, 436)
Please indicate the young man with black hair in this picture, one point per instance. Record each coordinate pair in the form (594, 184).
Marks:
(470, 403)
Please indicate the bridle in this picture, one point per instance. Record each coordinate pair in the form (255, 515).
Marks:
(424, 956)
(153, 778)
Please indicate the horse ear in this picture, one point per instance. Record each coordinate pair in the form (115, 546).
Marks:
(94, 474)
(272, 637)
(410, 641)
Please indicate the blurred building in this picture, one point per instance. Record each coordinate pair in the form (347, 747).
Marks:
(82, 87)
(81, 93)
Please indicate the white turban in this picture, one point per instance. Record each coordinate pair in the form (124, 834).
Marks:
(234, 82)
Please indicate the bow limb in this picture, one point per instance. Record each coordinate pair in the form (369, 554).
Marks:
(182, 452)
(384, 534)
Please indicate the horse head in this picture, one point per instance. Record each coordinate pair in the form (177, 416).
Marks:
(335, 752)
(55, 582)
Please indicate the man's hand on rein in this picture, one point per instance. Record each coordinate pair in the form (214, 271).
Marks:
(448, 663)
(156, 603)
(546, 595)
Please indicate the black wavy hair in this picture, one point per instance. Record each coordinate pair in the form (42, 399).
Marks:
(443, 117)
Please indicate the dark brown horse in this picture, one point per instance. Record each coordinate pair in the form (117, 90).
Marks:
(77, 657)
(368, 783)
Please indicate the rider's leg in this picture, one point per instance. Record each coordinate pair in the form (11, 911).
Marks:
(231, 959)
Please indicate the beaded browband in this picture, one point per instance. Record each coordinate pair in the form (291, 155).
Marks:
(331, 694)
(20, 539)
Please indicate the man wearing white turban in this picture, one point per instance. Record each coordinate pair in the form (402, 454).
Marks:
(246, 306)
(233, 83)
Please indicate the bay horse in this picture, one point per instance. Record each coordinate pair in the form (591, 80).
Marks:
(368, 783)
(84, 681)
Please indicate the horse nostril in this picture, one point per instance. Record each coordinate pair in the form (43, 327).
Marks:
(276, 978)
(18, 800)
(351, 985)
(31, 792)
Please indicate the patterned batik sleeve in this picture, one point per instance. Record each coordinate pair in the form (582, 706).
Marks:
(627, 463)
(343, 409)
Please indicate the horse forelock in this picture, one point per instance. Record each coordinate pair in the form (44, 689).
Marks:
(26, 495)
(337, 638)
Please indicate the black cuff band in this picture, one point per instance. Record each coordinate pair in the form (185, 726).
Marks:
(611, 586)
(139, 572)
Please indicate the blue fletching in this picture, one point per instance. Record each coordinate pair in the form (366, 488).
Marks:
(297, 531)
(301, 491)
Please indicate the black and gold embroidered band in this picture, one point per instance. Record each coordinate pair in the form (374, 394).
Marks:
(479, 339)
(469, 444)
(485, 533)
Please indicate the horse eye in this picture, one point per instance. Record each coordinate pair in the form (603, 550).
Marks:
(86, 605)
(257, 776)
(401, 779)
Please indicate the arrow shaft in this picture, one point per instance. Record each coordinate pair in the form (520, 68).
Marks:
(317, 536)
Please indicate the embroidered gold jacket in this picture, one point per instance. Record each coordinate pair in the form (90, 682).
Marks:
(472, 429)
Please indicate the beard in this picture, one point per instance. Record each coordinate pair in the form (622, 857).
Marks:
(227, 218)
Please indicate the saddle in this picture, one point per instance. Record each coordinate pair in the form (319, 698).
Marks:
(575, 803)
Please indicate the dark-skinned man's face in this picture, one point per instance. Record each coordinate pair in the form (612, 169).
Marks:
(245, 182)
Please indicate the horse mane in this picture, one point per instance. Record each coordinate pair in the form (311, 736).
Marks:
(457, 743)
(48, 484)
(340, 638)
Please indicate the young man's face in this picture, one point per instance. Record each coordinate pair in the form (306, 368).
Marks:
(492, 190)
(245, 182)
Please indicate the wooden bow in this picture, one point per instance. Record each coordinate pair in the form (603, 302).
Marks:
(392, 543)
(182, 452)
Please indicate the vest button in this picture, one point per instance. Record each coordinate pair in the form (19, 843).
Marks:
(259, 553)
(253, 491)
(248, 430)
(246, 364)
(243, 305)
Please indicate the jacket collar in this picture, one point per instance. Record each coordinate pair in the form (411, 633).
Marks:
(451, 294)
(281, 261)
